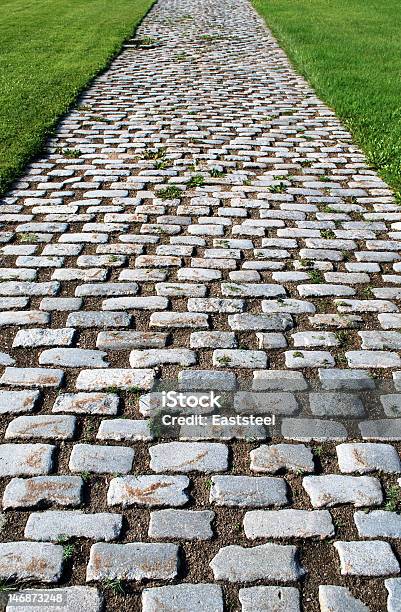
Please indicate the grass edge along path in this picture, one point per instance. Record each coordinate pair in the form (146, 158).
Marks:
(349, 51)
(50, 51)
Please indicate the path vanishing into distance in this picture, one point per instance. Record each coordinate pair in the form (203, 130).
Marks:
(202, 215)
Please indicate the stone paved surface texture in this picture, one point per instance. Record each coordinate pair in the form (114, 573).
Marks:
(201, 217)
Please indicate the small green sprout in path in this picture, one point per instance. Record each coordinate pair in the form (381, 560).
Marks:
(216, 173)
(225, 360)
(170, 193)
(6, 586)
(68, 548)
(327, 209)
(115, 585)
(315, 277)
(99, 119)
(328, 234)
(146, 41)
(29, 238)
(156, 425)
(68, 551)
(72, 153)
(368, 291)
(343, 337)
(341, 359)
(280, 188)
(298, 354)
(162, 164)
(196, 181)
(154, 153)
(211, 37)
(318, 451)
(86, 476)
(392, 499)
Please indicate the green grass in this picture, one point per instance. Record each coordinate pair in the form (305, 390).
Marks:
(49, 51)
(350, 52)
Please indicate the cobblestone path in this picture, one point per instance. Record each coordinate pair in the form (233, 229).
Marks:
(201, 214)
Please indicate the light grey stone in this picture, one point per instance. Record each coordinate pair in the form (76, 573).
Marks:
(212, 339)
(179, 319)
(265, 562)
(188, 457)
(381, 429)
(391, 404)
(101, 459)
(87, 403)
(97, 380)
(239, 358)
(337, 379)
(271, 340)
(43, 337)
(264, 322)
(288, 523)
(18, 401)
(270, 599)
(251, 290)
(331, 490)
(133, 561)
(32, 377)
(124, 429)
(89, 319)
(207, 379)
(73, 358)
(308, 359)
(150, 358)
(244, 491)
(40, 490)
(135, 303)
(319, 430)
(365, 457)
(251, 402)
(26, 459)
(374, 558)
(329, 404)
(116, 340)
(181, 524)
(148, 491)
(337, 599)
(58, 427)
(393, 586)
(378, 523)
(310, 339)
(51, 525)
(278, 380)
(183, 598)
(60, 304)
(36, 561)
(276, 457)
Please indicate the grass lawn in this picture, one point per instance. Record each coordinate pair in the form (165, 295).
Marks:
(350, 52)
(49, 51)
